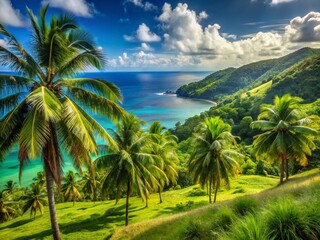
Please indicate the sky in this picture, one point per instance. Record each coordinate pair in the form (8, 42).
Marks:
(189, 35)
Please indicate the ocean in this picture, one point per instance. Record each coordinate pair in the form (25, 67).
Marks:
(142, 95)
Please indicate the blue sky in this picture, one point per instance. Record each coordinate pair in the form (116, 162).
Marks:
(140, 35)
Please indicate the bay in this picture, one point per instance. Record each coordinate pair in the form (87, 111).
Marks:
(142, 95)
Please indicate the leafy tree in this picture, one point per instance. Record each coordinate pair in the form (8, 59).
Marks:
(9, 187)
(90, 184)
(213, 160)
(164, 147)
(71, 187)
(130, 167)
(285, 133)
(35, 199)
(42, 104)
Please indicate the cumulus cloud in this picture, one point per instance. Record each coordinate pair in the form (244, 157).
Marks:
(147, 6)
(80, 8)
(143, 34)
(276, 2)
(4, 43)
(304, 29)
(146, 47)
(10, 16)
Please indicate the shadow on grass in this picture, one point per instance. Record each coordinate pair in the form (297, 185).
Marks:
(111, 217)
(18, 223)
(181, 207)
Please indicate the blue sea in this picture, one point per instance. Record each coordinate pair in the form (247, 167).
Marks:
(142, 95)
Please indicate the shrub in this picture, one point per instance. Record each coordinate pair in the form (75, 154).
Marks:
(197, 192)
(177, 187)
(248, 229)
(243, 206)
(196, 230)
(223, 219)
(285, 222)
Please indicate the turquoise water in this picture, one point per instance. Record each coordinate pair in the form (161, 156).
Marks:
(143, 95)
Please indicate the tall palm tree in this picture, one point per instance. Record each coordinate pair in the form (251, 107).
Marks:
(286, 133)
(43, 103)
(10, 186)
(35, 199)
(131, 167)
(163, 147)
(212, 160)
(70, 187)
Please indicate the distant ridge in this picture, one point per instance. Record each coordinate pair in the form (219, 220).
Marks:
(228, 81)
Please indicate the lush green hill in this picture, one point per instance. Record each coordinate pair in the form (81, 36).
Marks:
(228, 220)
(230, 80)
(301, 79)
(88, 220)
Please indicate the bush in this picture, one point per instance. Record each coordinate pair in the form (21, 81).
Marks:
(243, 206)
(248, 229)
(223, 219)
(177, 187)
(196, 230)
(286, 222)
(197, 192)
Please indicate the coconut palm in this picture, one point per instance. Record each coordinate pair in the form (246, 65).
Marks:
(163, 147)
(7, 208)
(40, 178)
(70, 187)
(131, 167)
(90, 184)
(10, 186)
(212, 160)
(286, 133)
(35, 199)
(43, 103)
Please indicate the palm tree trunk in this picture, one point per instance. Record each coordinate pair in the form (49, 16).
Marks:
(282, 170)
(210, 195)
(287, 169)
(147, 201)
(160, 195)
(52, 207)
(127, 202)
(216, 193)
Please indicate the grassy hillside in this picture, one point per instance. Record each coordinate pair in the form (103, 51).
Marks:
(302, 190)
(228, 81)
(87, 220)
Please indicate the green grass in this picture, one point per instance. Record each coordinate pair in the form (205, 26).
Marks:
(302, 188)
(258, 90)
(87, 220)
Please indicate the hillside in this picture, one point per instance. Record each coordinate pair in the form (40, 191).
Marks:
(230, 219)
(239, 109)
(88, 220)
(228, 81)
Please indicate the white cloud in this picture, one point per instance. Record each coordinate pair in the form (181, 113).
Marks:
(276, 2)
(9, 15)
(143, 34)
(4, 43)
(147, 6)
(203, 15)
(304, 29)
(146, 47)
(79, 8)
(229, 36)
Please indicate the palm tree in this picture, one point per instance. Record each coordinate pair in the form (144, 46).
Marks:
(212, 159)
(9, 187)
(40, 178)
(90, 184)
(6, 207)
(35, 199)
(163, 147)
(131, 167)
(43, 104)
(70, 187)
(286, 134)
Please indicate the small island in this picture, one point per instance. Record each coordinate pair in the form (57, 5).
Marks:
(169, 92)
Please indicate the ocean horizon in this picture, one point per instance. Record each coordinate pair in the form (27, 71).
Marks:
(142, 95)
